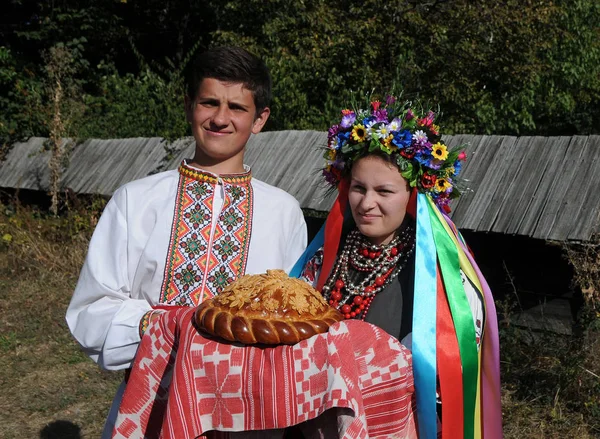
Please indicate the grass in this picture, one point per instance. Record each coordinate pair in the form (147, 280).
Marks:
(551, 387)
(46, 378)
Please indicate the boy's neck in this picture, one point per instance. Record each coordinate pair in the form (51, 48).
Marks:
(234, 165)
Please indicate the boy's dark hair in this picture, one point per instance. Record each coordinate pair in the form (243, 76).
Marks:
(231, 64)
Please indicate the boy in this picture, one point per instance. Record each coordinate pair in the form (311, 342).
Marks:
(179, 237)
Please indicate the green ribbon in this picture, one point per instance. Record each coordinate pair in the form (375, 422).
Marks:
(461, 315)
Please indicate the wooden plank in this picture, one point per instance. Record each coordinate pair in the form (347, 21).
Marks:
(520, 193)
(480, 155)
(552, 316)
(546, 187)
(26, 166)
(553, 196)
(471, 144)
(511, 189)
(560, 210)
(501, 176)
(184, 149)
(588, 218)
(489, 194)
(299, 158)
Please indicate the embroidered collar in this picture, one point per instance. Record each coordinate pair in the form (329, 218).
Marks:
(206, 176)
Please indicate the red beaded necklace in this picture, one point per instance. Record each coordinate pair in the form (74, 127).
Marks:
(377, 265)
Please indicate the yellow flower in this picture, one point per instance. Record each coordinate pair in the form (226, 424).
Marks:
(387, 141)
(359, 133)
(439, 151)
(442, 185)
(330, 154)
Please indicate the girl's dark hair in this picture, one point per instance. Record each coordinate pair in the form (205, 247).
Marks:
(231, 64)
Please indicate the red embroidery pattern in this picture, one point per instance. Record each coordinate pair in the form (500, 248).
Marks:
(199, 267)
(184, 385)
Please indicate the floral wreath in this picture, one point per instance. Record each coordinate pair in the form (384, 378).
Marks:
(410, 136)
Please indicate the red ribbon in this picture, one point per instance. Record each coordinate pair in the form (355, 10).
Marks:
(449, 367)
(333, 232)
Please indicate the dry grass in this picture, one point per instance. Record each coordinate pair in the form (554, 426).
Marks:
(585, 259)
(550, 384)
(46, 377)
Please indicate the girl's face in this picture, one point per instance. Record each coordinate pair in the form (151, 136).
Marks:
(378, 197)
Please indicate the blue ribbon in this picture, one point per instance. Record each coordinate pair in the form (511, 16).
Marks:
(312, 248)
(424, 322)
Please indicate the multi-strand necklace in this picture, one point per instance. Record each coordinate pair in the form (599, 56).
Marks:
(375, 266)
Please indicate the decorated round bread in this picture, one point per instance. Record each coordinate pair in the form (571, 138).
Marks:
(270, 308)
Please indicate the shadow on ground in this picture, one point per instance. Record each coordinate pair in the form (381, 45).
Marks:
(61, 430)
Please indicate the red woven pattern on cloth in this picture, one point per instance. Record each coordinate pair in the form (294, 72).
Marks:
(184, 384)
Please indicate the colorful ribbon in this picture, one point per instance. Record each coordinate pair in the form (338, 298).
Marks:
(444, 344)
(424, 322)
(461, 315)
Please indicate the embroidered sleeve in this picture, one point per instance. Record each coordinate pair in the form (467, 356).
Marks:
(312, 269)
(146, 319)
(144, 322)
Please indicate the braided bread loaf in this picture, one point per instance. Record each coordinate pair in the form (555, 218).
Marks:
(269, 308)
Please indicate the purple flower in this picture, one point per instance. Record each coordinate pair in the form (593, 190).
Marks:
(333, 130)
(348, 120)
(422, 146)
(436, 164)
(338, 164)
(329, 177)
(389, 100)
(409, 115)
(381, 115)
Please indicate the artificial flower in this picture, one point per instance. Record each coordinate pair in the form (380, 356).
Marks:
(381, 115)
(407, 153)
(442, 185)
(348, 119)
(428, 180)
(359, 133)
(402, 139)
(333, 130)
(383, 131)
(369, 127)
(435, 164)
(439, 151)
(427, 121)
(411, 137)
(387, 141)
(395, 124)
(420, 137)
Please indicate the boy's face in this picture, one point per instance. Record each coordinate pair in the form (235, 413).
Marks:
(223, 116)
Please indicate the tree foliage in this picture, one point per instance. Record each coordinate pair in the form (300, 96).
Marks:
(508, 67)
